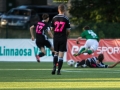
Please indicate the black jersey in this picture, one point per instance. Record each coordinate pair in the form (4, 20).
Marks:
(60, 23)
(92, 62)
(41, 28)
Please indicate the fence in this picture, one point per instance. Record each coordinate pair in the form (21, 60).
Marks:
(14, 32)
(104, 30)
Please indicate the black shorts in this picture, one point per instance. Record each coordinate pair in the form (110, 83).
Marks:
(90, 64)
(42, 43)
(60, 45)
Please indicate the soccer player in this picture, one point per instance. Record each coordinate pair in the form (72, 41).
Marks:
(41, 39)
(92, 42)
(61, 26)
(95, 62)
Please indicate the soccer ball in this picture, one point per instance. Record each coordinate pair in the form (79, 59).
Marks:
(71, 62)
(84, 65)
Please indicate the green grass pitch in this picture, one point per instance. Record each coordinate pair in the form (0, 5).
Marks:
(37, 76)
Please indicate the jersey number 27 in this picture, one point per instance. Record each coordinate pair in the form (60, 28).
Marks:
(59, 26)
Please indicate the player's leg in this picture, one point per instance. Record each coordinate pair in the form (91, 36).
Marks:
(80, 52)
(60, 62)
(55, 58)
(55, 62)
(82, 49)
(41, 54)
(52, 50)
(79, 63)
(89, 51)
(49, 45)
(42, 51)
(62, 49)
(87, 47)
(93, 45)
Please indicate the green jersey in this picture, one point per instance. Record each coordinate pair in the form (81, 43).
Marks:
(89, 34)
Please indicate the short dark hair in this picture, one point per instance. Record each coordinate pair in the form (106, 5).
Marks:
(87, 28)
(45, 16)
(100, 57)
(61, 7)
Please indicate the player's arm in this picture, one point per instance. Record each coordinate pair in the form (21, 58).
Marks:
(52, 25)
(113, 65)
(31, 32)
(51, 28)
(78, 39)
(50, 33)
(68, 28)
(68, 32)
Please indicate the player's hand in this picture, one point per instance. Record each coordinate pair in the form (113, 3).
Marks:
(75, 54)
(77, 42)
(118, 62)
(32, 38)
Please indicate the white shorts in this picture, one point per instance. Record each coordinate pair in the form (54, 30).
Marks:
(91, 44)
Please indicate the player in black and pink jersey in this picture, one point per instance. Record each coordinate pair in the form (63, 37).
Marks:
(41, 39)
(61, 26)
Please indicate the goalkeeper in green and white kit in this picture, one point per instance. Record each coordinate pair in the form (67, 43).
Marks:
(92, 42)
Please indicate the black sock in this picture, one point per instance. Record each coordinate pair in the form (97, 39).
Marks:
(60, 63)
(55, 60)
(41, 54)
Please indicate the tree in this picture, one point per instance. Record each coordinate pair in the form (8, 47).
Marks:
(101, 15)
(96, 10)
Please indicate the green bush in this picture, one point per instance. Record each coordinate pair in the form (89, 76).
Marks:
(104, 30)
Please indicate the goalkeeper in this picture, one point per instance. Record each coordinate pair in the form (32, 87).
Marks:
(92, 42)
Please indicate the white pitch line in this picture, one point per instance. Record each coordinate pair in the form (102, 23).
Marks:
(66, 69)
(70, 70)
(23, 69)
(92, 71)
